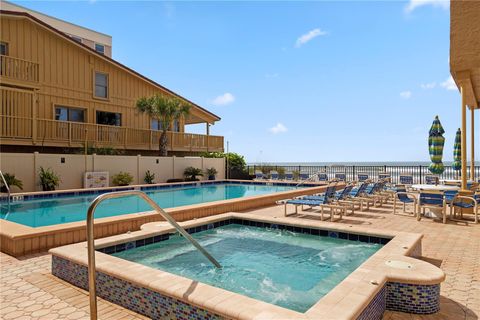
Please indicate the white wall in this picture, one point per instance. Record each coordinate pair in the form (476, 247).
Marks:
(71, 169)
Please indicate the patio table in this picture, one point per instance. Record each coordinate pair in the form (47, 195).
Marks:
(434, 187)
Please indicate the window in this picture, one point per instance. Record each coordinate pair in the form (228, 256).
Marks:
(63, 113)
(78, 39)
(176, 126)
(109, 118)
(101, 85)
(100, 48)
(4, 48)
(156, 125)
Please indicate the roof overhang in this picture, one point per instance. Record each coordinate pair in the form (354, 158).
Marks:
(465, 49)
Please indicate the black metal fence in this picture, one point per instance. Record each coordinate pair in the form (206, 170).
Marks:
(418, 172)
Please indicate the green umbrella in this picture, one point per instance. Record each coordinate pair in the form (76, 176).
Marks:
(435, 147)
(457, 151)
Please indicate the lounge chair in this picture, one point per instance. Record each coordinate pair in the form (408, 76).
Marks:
(385, 176)
(432, 199)
(362, 177)
(465, 202)
(303, 176)
(374, 192)
(322, 202)
(406, 198)
(340, 176)
(431, 179)
(356, 197)
(273, 175)
(322, 176)
(289, 176)
(259, 175)
(406, 179)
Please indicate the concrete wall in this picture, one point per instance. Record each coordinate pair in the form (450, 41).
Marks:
(71, 167)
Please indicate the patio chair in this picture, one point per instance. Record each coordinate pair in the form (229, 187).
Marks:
(405, 198)
(431, 179)
(406, 179)
(434, 200)
(362, 177)
(259, 175)
(322, 176)
(273, 175)
(465, 202)
(289, 176)
(340, 176)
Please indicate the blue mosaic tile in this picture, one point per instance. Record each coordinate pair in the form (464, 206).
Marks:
(413, 298)
(138, 299)
(376, 307)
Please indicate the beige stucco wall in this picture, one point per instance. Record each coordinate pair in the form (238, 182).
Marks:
(26, 166)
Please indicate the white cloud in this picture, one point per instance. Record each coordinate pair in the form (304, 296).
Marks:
(278, 128)
(406, 94)
(429, 85)
(449, 84)
(309, 36)
(414, 4)
(224, 99)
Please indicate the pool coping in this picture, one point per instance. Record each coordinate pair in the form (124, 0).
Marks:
(17, 239)
(346, 301)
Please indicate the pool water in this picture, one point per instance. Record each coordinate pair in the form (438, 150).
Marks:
(51, 211)
(288, 269)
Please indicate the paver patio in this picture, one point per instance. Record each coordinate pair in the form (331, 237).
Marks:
(29, 291)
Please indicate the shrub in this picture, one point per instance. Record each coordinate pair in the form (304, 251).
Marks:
(235, 161)
(191, 173)
(211, 173)
(11, 182)
(122, 179)
(149, 177)
(49, 180)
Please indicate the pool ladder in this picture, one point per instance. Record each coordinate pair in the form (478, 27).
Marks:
(91, 239)
(9, 198)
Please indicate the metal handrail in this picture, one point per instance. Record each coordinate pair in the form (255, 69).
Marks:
(8, 190)
(91, 244)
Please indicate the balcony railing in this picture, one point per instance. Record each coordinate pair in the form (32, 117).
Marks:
(76, 134)
(18, 69)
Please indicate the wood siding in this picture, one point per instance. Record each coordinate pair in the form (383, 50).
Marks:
(66, 77)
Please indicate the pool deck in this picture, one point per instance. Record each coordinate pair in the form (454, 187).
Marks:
(29, 291)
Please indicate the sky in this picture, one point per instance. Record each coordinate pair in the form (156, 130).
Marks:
(294, 81)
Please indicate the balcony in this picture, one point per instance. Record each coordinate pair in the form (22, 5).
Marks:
(45, 132)
(17, 70)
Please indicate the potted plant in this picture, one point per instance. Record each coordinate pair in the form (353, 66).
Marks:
(191, 173)
(149, 177)
(122, 179)
(211, 173)
(49, 180)
(11, 181)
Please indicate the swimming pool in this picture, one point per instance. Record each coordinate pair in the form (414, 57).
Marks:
(64, 209)
(288, 269)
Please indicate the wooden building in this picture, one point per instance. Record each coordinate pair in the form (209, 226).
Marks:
(58, 94)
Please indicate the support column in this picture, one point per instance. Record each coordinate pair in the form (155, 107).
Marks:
(472, 144)
(464, 139)
(208, 135)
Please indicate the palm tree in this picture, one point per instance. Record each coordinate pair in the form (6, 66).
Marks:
(166, 110)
